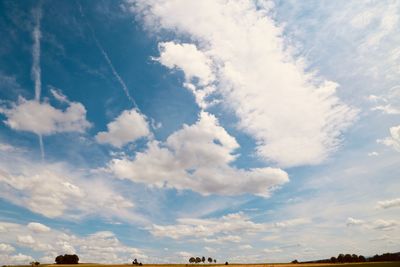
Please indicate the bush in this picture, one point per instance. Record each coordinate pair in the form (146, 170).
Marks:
(226, 263)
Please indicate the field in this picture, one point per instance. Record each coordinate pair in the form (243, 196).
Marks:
(367, 264)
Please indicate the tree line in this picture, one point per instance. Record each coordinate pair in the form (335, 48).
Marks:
(351, 258)
(202, 259)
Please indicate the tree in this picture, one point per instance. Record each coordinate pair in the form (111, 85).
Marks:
(135, 261)
(361, 258)
(192, 260)
(198, 260)
(354, 258)
(295, 261)
(59, 259)
(215, 261)
(340, 258)
(226, 263)
(333, 260)
(67, 259)
(347, 258)
(203, 259)
(209, 260)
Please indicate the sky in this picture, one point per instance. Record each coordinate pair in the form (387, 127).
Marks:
(245, 131)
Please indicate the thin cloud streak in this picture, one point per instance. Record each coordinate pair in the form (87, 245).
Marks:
(36, 70)
(107, 59)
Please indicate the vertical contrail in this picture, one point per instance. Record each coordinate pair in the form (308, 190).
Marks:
(36, 70)
(108, 60)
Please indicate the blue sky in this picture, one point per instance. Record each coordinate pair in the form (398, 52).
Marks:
(247, 131)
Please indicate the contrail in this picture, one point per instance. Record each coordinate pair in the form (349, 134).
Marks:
(41, 146)
(36, 70)
(108, 60)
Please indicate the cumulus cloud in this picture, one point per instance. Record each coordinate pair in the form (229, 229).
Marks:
(393, 140)
(218, 230)
(16, 259)
(197, 157)
(6, 248)
(54, 190)
(295, 118)
(195, 64)
(391, 203)
(25, 240)
(129, 126)
(38, 227)
(103, 246)
(44, 119)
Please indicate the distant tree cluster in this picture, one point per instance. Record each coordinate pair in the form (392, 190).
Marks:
(135, 262)
(67, 259)
(34, 263)
(351, 258)
(202, 259)
(342, 258)
(386, 257)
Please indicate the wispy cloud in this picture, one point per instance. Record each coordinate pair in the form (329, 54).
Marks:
(107, 59)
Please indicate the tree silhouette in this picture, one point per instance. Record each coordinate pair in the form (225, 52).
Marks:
(203, 259)
(67, 259)
(192, 260)
(198, 260)
(340, 258)
(215, 261)
(209, 260)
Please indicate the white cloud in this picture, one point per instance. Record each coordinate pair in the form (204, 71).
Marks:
(373, 154)
(197, 157)
(246, 246)
(391, 203)
(55, 190)
(188, 58)
(295, 118)
(273, 250)
(388, 103)
(102, 247)
(394, 139)
(25, 240)
(44, 119)
(351, 221)
(38, 227)
(219, 230)
(17, 259)
(6, 248)
(129, 126)
(196, 66)
(57, 94)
